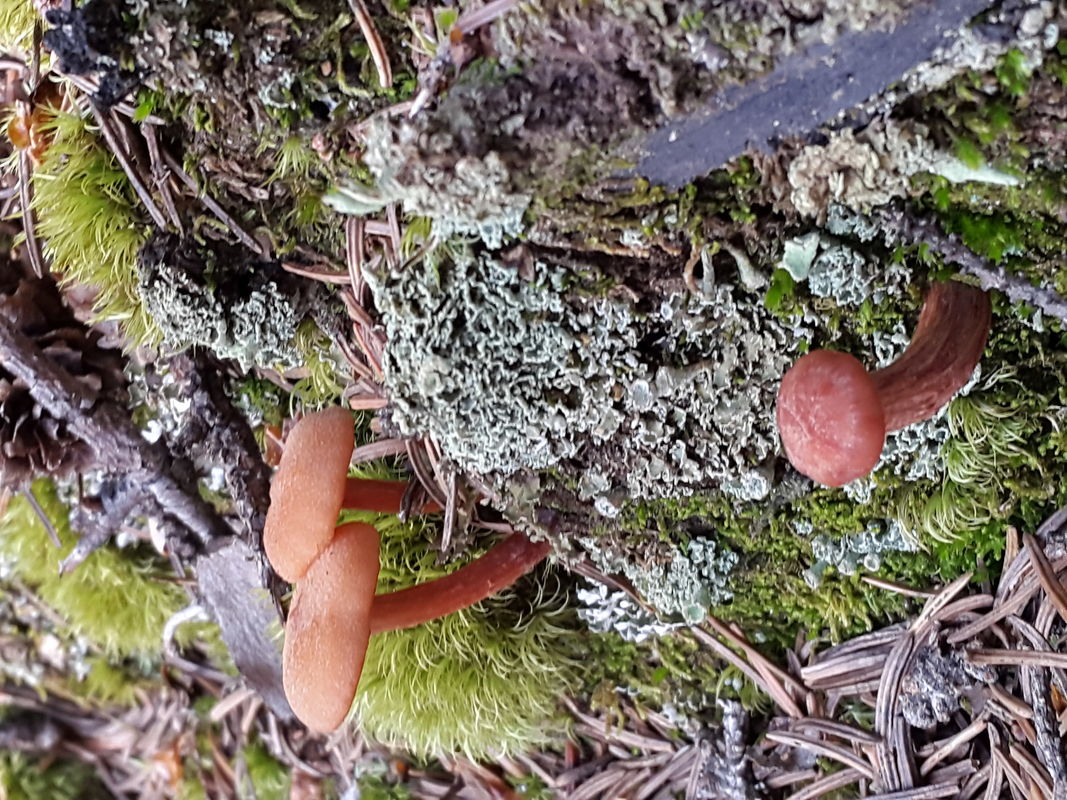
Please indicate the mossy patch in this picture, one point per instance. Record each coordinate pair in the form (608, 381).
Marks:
(91, 224)
(482, 680)
(118, 600)
(24, 779)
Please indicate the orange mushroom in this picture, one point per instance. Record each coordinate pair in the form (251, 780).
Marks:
(329, 627)
(833, 415)
(335, 609)
(307, 491)
(497, 569)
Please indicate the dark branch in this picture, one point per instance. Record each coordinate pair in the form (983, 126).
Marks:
(108, 430)
(912, 229)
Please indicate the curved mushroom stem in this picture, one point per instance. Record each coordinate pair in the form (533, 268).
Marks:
(497, 569)
(833, 415)
(944, 350)
(384, 497)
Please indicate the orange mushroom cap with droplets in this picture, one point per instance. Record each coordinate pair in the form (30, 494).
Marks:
(329, 628)
(307, 491)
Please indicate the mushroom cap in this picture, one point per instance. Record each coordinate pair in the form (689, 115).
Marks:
(830, 418)
(328, 629)
(307, 491)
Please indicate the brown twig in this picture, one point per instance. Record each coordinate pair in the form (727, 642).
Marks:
(29, 218)
(211, 205)
(374, 41)
(107, 428)
(111, 136)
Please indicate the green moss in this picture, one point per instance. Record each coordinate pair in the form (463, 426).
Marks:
(107, 684)
(119, 600)
(91, 225)
(23, 779)
(485, 679)
(1014, 73)
(17, 18)
(269, 778)
(323, 385)
(376, 786)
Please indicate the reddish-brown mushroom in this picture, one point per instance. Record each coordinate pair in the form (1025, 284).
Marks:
(335, 608)
(329, 627)
(833, 415)
(307, 491)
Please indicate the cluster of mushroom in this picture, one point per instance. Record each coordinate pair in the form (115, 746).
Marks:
(335, 568)
(833, 415)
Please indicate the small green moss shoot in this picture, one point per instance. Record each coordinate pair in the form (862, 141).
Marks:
(107, 685)
(23, 779)
(91, 225)
(483, 680)
(295, 161)
(116, 599)
(17, 18)
(269, 779)
(322, 386)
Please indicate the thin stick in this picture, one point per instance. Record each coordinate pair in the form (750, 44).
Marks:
(212, 206)
(161, 174)
(1045, 575)
(1016, 658)
(898, 588)
(827, 784)
(318, 273)
(107, 127)
(29, 219)
(41, 515)
(939, 755)
(374, 40)
(839, 754)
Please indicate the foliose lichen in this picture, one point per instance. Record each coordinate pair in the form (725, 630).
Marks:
(687, 585)
(191, 294)
(868, 169)
(934, 684)
(475, 197)
(605, 610)
(634, 404)
(848, 553)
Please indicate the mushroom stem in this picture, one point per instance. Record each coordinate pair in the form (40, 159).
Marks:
(384, 497)
(833, 415)
(944, 350)
(497, 569)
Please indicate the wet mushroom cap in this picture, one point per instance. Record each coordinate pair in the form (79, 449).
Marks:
(328, 628)
(831, 418)
(307, 491)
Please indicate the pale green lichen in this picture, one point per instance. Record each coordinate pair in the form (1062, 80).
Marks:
(864, 549)
(474, 197)
(253, 323)
(868, 169)
(559, 373)
(604, 610)
(835, 269)
(687, 585)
